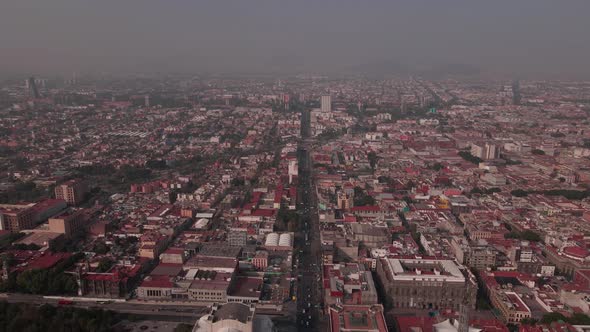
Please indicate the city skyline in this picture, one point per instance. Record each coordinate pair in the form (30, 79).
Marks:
(295, 166)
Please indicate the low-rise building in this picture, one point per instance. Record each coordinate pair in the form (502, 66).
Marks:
(69, 223)
(427, 283)
(228, 317)
(348, 284)
(361, 318)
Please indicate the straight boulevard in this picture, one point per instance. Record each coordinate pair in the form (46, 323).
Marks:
(309, 291)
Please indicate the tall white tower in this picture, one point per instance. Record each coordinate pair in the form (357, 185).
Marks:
(293, 169)
(326, 104)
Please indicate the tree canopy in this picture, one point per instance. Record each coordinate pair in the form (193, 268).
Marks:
(372, 156)
(361, 198)
(469, 157)
(26, 317)
(46, 282)
(519, 193)
(575, 319)
(527, 235)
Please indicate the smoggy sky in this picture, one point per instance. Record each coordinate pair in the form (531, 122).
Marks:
(521, 37)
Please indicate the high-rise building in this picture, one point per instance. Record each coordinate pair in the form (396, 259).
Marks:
(32, 86)
(286, 98)
(72, 191)
(477, 150)
(326, 104)
(486, 151)
(516, 97)
(402, 104)
(15, 218)
(491, 151)
(73, 80)
(68, 223)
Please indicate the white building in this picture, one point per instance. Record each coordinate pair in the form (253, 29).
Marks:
(232, 317)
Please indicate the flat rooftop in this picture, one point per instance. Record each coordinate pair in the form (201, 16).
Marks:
(247, 287)
(357, 318)
(424, 269)
(219, 250)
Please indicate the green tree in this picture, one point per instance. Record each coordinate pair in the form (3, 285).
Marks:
(100, 248)
(384, 179)
(469, 157)
(26, 317)
(22, 246)
(156, 164)
(437, 166)
(512, 235)
(292, 226)
(528, 321)
(579, 319)
(183, 328)
(526, 235)
(237, 182)
(569, 194)
(133, 173)
(105, 264)
(530, 236)
(372, 156)
(476, 190)
(32, 281)
(172, 196)
(519, 193)
(96, 169)
(361, 198)
(6, 241)
(553, 317)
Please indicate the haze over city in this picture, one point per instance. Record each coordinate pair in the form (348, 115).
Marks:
(524, 38)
